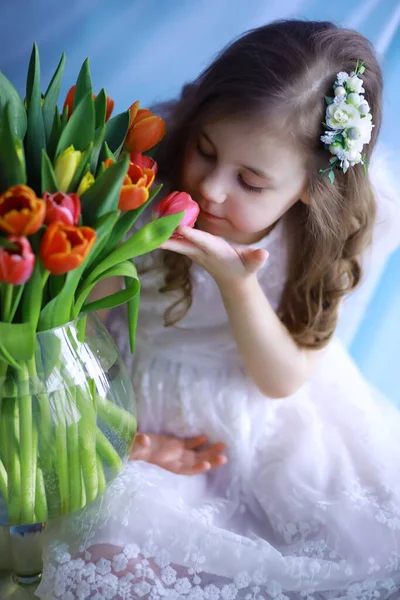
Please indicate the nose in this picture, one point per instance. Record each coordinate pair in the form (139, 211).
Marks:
(213, 187)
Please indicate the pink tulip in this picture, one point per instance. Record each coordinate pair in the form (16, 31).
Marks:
(61, 207)
(16, 263)
(175, 203)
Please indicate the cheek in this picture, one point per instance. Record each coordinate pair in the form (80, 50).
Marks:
(248, 216)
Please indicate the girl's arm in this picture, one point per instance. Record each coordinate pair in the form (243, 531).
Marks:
(276, 363)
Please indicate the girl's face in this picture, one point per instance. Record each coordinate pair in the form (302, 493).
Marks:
(243, 178)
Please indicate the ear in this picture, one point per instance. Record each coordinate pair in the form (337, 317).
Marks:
(305, 197)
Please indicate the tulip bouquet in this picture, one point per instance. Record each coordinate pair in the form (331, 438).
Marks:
(72, 184)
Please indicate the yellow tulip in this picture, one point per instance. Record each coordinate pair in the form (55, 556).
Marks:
(85, 183)
(65, 167)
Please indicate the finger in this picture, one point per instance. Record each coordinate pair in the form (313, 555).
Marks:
(218, 462)
(203, 240)
(255, 259)
(195, 442)
(181, 247)
(211, 451)
(143, 440)
(195, 469)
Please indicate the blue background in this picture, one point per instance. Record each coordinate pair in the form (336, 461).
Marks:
(146, 49)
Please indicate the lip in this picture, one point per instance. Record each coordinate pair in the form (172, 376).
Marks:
(209, 216)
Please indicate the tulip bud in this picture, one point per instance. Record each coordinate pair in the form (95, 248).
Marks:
(21, 211)
(86, 182)
(65, 167)
(65, 247)
(65, 208)
(17, 262)
(175, 203)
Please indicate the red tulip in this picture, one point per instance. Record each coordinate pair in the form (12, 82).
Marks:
(62, 207)
(65, 247)
(144, 162)
(136, 185)
(145, 129)
(175, 203)
(21, 211)
(16, 264)
(69, 101)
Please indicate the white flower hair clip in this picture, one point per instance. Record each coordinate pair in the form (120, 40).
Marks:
(348, 122)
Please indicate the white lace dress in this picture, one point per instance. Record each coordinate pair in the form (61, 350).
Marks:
(307, 508)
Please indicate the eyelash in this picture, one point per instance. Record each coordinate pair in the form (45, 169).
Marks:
(246, 186)
(250, 188)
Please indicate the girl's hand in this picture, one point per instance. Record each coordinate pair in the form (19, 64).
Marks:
(224, 262)
(183, 457)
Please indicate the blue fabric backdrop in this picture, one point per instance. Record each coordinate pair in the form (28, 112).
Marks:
(146, 49)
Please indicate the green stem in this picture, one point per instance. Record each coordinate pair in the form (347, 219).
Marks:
(61, 456)
(16, 301)
(8, 295)
(13, 465)
(108, 453)
(100, 474)
(73, 441)
(87, 436)
(117, 418)
(3, 481)
(27, 451)
(41, 511)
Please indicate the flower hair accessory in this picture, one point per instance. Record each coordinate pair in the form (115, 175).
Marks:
(348, 122)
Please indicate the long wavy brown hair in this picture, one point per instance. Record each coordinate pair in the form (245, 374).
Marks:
(284, 70)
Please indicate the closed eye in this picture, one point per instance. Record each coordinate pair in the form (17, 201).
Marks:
(248, 187)
(203, 153)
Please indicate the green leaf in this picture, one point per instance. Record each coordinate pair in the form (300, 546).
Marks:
(100, 106)
(98, 142)
(55, 134)
(35, 139)
(124, 269)
(79, 131)
(125, 224)
(49, 180)
(51, 98)
(328, 100)
(17, 340)
(116, 130)
(103, 227)
(106, 153)
(4, 243)
(12, 160)
(133, 314)
(32, 300)
(83, 84)
(10, 96)
(103, 196)
(331, 176)
(147, 239)
(81, 170)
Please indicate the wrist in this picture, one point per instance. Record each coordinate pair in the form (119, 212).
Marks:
(235, 289)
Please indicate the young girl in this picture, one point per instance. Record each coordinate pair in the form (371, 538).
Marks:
(235, 342)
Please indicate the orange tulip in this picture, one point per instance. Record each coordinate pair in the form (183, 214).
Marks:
(69, 101)
(65, 247)
(21, 211)
(145, 129)
(135, 187)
